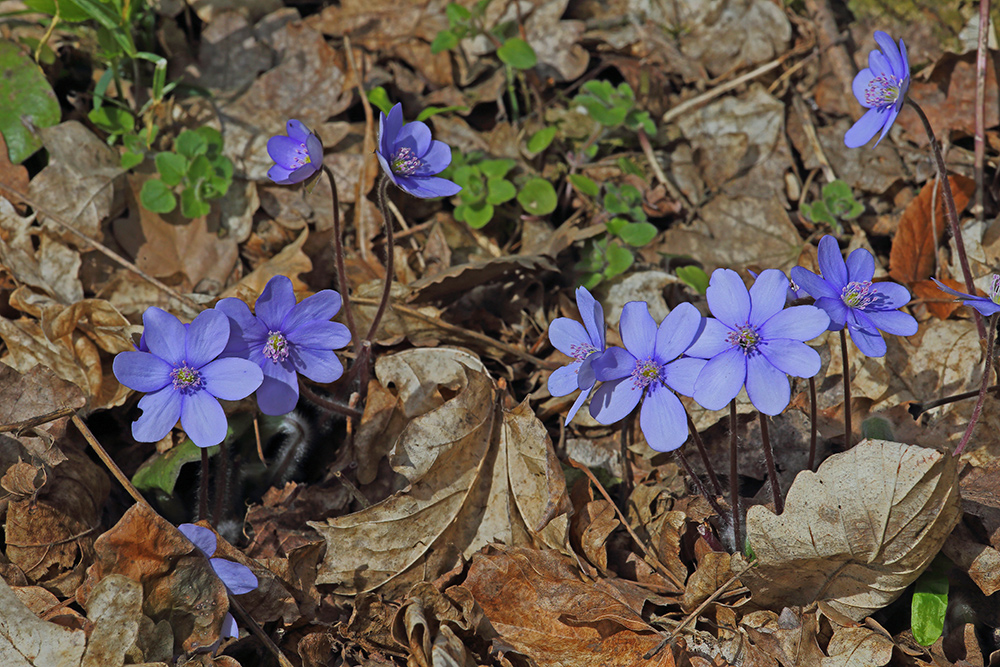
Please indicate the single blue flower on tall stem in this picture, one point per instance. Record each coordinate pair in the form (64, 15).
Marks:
(296, 156)
(583, 343)
(410, 158)
(881, 88)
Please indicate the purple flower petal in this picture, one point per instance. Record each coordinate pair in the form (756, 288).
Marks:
(586, 378)
(297, 130)
(435, 160)
(791, 357)
(244, 328)
(860, 266)
(615, 363)
(315, 149)
(238, 578)
(890, 118)
(861, 81)
(728, 298)
(386, 169)
(279, 392)
(837, 311)
(893, 322)
(891, 52)
(677, 331)
(663, 420)
(231, 378)
(280, 175)
(767, 386)
(206, 338)
(879, 64)
(681, 375)
(284, 151)
(896, 296)
(320, 335)
(713, 340)
(906, 65)
(203, 419)
(164, 335)
(865, 335)
(567, 335)
(141, 371)
(638, 329)
(416, 136)
(428, 187)
(160, 411)
(388, 129)
(320, 366)
(592, 314)
(229, 627)
(812, 284)
(577, 404)
(615, 400)
(721, 379)
(274, 302)
(831, 263)
(768, 295)
(201, 537)
(866, 128)
(563, 381)
(797, 322)
(322, 305)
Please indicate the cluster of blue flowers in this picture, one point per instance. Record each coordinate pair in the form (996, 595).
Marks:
(228, 353)
(754, 340)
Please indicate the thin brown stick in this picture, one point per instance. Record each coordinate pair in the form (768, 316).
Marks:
(690, 617)
(368, 147)
(979, 144)
(647, 553)
(20, 427)
(109, 462)
(987, 368)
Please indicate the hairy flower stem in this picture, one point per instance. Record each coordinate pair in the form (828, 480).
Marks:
(812, 422)
(987, 368)
(700, 444)
(734, 478)
(848, 429)
(697, 482)
(340, 260)
(772, 471)
(626, 466)
(221, 482)
(950, 210)
(917, 409)
(203, 495)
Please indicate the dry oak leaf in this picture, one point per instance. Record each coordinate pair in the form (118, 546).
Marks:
(28, 641)
(478, 473)
(538, 605)
(921, 229)
(855, 533)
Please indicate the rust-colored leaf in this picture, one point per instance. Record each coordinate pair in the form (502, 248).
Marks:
(912, 256)
(939, 304)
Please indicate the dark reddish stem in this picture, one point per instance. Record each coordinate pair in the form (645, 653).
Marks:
(848, 427)
(203, 500)
(813, 426)
(697, 482)
(340, 260)
(700, 444)
(772, 471)
(991, 339)
(734, 479)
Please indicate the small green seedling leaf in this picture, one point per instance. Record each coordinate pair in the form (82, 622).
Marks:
(191, 144)
(818, 212)
(162, 470)
(446, 40)
(638, 234)
(434, 111)
(478, 215)
(155, 196)
(496, 168)
(930, 602)
(457, 14)
(540, 140)
(538, 197)
(517, 53)
(499, 190)
(877, 428)
(380, 99)
(192, 205)
(585, 185)
(694, 277)
(172, 168)
(68, 10)
(619, 260)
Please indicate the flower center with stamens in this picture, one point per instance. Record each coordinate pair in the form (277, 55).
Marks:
(646, 372)
(186, 379)
(883, 91)
(995, 289)
(858, 294)
(276, 348)
(746, 337)
(581, 351)
(301, 157)
(404, 162)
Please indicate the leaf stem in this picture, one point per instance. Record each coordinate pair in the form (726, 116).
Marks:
(848, 427)
(700, 444)
(772, 471)
(976, 411)
(950, 210)
(340, 260)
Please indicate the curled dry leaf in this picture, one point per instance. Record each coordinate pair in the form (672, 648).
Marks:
(857, 532)
(28, 641)
(478, 474)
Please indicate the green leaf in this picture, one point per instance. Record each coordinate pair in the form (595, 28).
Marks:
(199, 168)
(446, 40)
(162, 470)
(499, 190)
(613, 202)
(191, 144)
(192, 206)
(171, 167)
(638, 234)
(585, 185)
(466, 175)
(615, 225)
(68, 10)
(817, 212)
(213, 138)
(591, 280)
(380, 99)
(600, 89)
(877, 428)
(130, 159)
(155, 196)
(496, 168)
(478, 215)
(694, 277)
(538, 197)
(540, 140)
(628, 166)
(27, 100)
(433, 111)
(930, 602)
(619, 259)
(457, 14)
(113, 120)
(517, 53)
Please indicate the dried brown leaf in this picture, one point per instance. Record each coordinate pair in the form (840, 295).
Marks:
(920, 230)
(940, 304)
(855, 533)
(115, 608)
(28, 641)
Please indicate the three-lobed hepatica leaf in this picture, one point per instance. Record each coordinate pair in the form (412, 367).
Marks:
(857, 532)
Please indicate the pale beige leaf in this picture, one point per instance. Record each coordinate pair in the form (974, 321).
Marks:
(28, 641)
(478, 474)
(115, 608)
(855, 533)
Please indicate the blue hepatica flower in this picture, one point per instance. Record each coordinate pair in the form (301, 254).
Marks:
(583, 343)
(650, 369)
(881, 88)
(236, 577)
(754, 341)
(986, 305)
(296, 157)
(182, 377)
(410, 158)
(286, 338)
(846, 292)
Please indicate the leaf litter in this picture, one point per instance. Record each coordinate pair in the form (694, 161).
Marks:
(446, 523)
